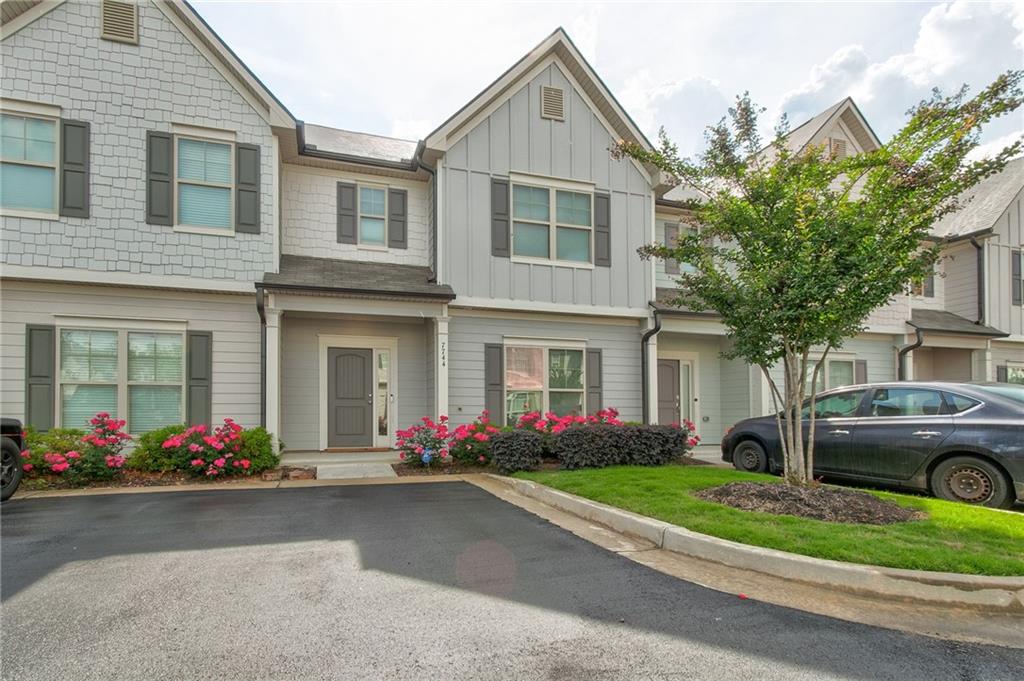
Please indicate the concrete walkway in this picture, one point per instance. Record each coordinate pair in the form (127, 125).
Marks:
(345, 465)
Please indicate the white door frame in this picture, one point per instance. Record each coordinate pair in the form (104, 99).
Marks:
(376, 344)
(693, 358)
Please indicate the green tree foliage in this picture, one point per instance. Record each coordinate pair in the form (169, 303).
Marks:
(797, 247)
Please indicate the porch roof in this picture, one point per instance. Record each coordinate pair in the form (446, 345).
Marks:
(663, 304)
(947, 322)
(328, 275)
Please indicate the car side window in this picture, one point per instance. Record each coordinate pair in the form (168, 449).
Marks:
(835, 406)
(906, 402)
(958, 403)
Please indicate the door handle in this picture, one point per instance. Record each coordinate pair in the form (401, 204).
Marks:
(927, 433)
(839, 432)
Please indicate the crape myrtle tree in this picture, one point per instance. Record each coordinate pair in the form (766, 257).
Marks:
(796, 247)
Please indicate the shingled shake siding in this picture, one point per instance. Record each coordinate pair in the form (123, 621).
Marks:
(122, 91)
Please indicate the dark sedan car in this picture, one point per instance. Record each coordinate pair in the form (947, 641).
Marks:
(958, 441)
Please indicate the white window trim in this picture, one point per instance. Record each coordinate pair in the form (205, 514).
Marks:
(37, 112)
(546, 348)
(1013, 365)
(202, 229)
(359, 216)
(552, 187)
(832, 357)
(122, 383)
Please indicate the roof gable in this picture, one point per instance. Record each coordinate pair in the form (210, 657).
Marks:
(559, 45)
(844, 114)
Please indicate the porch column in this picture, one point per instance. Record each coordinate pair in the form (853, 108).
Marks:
(981, 366)
(441, 366)
(273, 378)
(652, 380)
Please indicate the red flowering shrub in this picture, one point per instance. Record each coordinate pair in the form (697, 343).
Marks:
(96, 454)
(471, 443)
(552, 424)
(425, 443)
(209, 452)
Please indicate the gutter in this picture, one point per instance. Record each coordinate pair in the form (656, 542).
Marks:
(901, 362)
(262, 312)
(433, 211)
(645, 368)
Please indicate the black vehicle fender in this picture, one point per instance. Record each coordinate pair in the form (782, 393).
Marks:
(922, 477)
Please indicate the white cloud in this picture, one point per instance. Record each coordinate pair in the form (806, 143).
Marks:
(993, 147)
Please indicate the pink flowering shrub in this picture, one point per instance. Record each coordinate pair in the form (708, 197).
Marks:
(471, 443)
(78, 456)
(552, 424)
(425, 443)
(209, 452)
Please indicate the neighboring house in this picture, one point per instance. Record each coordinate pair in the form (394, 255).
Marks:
(177, 246)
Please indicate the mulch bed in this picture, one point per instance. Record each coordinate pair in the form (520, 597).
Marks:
(818, 502)
(131, 478)
(405, 469)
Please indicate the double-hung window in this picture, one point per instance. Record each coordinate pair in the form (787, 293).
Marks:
(544, 379)
(552, 224)
(28, 163)
(835, 374)
(135, 375)
(205, 183)
(372, 216)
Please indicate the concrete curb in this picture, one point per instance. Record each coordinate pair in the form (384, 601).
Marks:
(991, 594)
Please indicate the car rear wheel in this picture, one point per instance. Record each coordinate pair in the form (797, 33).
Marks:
(972, 481)
(749, 456)
(10, 469)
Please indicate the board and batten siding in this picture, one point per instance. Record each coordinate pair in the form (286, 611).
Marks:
(515, 139)
(618, 341)
(960, 283)
(309, 222)
(232, 319)
(1008, 236)
(300, 372)
(123, 91)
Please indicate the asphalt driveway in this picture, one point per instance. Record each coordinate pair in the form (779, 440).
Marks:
(422, 581)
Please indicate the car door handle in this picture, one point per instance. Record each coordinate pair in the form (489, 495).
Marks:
(839, 432)
(927, 433)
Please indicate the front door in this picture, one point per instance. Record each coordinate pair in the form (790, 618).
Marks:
(668, 392)
(350, 397)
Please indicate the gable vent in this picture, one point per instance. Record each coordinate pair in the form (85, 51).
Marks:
(552, 103)
(120, 21)
(836, 148)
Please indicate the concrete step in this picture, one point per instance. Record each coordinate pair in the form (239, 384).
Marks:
(344, 471)
(314, 458)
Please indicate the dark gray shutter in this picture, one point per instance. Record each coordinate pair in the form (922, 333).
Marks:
(74, 169)
(671, 235)
(1001, 374)
(494, 384)
(247, 188)
(40, 375)
(199, 381)
(860, 371)
(500, 233)
(398, 220)
(347, 213)
(928, 289)
(594, 396)
(159, 178)
(602, 230)
(1015, 279)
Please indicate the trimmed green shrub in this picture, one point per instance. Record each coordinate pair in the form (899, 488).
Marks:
(599, 445)
(149, 453)
(257, 446)
(517, 450)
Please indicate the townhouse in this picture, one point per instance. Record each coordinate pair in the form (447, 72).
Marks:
(178, 246)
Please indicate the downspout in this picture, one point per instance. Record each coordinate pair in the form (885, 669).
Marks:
(261, 311)
(433, 215)
(644, 366)
(981, 280)
(901, 366)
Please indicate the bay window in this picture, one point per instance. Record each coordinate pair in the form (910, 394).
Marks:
(543, 379)
(28, 163)
(135, 375)
(564, 234)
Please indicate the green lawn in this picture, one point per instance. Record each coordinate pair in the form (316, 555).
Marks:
(954, 538)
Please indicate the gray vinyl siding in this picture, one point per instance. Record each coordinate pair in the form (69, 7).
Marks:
(1008, 235)
(736, 392)
(960, 265)
(1003, 352)
(619, 344)
(514, 138)
(231, 318)
(300, 372)
(878, 350)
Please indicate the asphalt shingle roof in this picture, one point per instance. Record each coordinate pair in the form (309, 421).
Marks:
(947, 322)
(360, 144)
(983, 204)
(356, 278)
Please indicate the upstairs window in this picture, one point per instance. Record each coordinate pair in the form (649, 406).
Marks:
(372, 216)
(28, 163)
(564, 234)
(204, 183)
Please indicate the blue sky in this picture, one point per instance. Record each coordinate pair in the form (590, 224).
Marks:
(400, 69)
